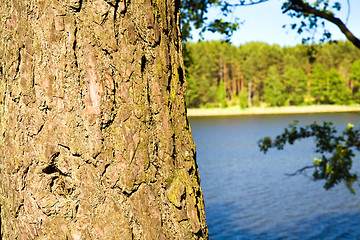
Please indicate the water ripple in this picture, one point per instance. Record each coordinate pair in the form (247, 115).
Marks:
(247, 195)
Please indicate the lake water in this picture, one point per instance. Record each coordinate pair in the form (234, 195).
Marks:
(247, 194)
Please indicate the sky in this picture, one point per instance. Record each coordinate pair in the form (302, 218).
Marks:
(264, 22)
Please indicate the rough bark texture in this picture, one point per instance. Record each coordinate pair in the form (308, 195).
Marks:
(95, 143)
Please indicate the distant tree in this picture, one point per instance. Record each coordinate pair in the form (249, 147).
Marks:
(193, 95)
(326, 56)
(243, 98)
(256, 65)
(296, 85)
(338, 93)
(290, 59)
(319, 85)
(355, 78)
(274, 90)
(249, 63)
(221, 95)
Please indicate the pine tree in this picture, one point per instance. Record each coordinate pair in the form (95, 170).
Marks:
(274, 90)
(296, 86)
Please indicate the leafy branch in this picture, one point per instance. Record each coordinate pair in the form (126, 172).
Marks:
(313, 16)
(337, 151)
(320, 9)
(193, 15)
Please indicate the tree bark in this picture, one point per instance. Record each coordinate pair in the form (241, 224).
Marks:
(95, 142)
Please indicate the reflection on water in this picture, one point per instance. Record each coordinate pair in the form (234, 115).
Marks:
(247, 194)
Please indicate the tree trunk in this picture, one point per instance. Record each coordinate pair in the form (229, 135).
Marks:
(95, 140)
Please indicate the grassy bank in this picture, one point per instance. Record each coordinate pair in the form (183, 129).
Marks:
(192, 112)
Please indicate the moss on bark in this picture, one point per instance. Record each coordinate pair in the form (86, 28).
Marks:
(93, 123)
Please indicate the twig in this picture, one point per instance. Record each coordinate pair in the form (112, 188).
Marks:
(299, 171)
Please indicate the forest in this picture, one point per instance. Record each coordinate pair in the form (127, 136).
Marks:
(220, 74)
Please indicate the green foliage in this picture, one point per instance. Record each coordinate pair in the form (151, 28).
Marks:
(296, 86)
(193, 16)
(193, 96)
(304, 74)
(329, 87)
(311, 17)
(319, 85)
(338, 93)
(355, 71)
(243, 98)
(274, 90)
(355, 78)
(221, 95)
(336, 151)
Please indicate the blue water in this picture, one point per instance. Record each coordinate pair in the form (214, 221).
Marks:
(247, 194)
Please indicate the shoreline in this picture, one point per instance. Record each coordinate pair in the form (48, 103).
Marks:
(237, 111)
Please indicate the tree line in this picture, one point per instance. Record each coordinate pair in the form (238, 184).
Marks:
(220, 74)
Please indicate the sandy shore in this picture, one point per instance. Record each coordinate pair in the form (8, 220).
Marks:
(197, 112)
